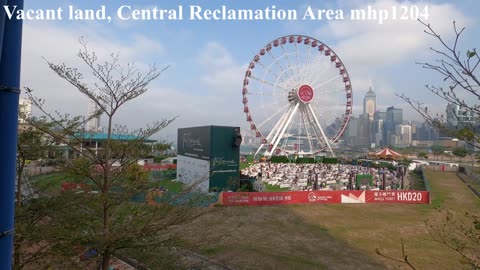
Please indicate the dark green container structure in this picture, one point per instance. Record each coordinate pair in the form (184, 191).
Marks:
(209, 154)
(364, 180)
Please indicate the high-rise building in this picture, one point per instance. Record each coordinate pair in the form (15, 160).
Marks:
(425, 132)
(24, 110)
(394, 117)
(93, 123)
(404, 135)
(358, 132)
(458, 117)
(379, 119)
(370, 103)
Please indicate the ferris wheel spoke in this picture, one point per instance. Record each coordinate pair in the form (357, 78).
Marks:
(298, 60)
(289, 132)
(260, 108)
(262, 94)
(286, 57)
(321, 129)
(268, 83)
(273, 115)
(332, 129)
(300, 130)
(268, 69)
(313, 71)
(307, 129)
(325, 82)
(324, 69)
(307, 58)
(329, 91)
(277, 61)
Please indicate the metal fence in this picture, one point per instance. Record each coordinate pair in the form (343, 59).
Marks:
(442, 168)
(38, 170)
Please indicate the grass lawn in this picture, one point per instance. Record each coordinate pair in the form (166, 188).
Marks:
(417, 180)
(173, 186)
(323, 236)
(244, 165)
(50, 183)
(336, 236)
(273, 188)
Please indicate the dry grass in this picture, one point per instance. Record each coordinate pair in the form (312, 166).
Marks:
(336, 236)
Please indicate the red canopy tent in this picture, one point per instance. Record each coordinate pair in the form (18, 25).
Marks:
(388, 153)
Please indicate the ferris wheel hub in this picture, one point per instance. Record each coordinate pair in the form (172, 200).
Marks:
(305, 93)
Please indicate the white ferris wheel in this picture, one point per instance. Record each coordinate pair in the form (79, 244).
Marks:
(297, 97)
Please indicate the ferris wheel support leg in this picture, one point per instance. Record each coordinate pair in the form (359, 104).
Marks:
(276, 128)
(284, 128)
(273, 135)
(258, 150)
(321, 130)
(305, 123)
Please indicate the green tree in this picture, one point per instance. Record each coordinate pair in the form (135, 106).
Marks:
(103, 216)
(422, 155)
(32, 145)
(162, 146)
(460, 152)
(437, 150)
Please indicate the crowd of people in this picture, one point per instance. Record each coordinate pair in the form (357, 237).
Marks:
(321, 176)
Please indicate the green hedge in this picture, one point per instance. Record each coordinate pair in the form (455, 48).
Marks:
(279, 159)
(386, 165)
(330, 160)
(305, 160)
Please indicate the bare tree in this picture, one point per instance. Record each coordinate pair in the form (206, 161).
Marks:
(461, 86)
(458, 233)
(105, 219)
(459, 71)
(403, 260)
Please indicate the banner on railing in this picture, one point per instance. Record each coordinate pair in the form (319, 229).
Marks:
(159, 167)
(331, 196)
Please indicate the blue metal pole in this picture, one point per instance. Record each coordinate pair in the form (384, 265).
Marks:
(9, 95)
(2, 24)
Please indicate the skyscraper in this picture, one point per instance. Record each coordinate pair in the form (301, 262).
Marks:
(93, 124)
(24, 110)
(459, 117)
(394, 117)
(404, 135)
(379, 119)
(358, 132)
(370, 103)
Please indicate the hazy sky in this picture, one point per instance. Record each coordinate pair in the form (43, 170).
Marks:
(208, 59)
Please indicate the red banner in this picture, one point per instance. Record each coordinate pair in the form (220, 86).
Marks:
(333, 196)
(159, 167)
